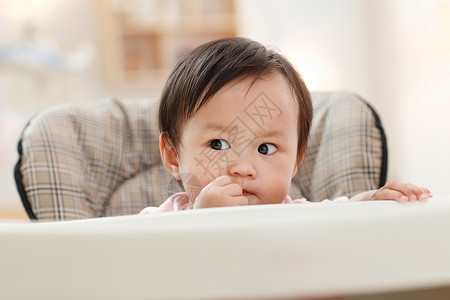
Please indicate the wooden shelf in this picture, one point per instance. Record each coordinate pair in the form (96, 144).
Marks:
(143, 39)
(13, 212)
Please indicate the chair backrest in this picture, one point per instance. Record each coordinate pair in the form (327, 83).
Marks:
(102, 158)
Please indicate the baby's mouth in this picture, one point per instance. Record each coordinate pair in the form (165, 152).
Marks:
(246, 193)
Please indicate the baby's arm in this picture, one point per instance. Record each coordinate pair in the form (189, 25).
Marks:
(220, 192)
(395, 190)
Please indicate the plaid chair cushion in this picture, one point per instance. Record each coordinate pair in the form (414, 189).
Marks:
(347, 149)
(102, 159)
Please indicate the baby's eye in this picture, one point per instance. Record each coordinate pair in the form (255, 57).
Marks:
(219, 144)
(267, 148)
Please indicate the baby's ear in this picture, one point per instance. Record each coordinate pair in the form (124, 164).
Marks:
(169, 155)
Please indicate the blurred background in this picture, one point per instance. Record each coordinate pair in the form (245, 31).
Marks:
(394, 53)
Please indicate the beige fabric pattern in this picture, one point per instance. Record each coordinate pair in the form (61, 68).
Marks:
(102, 158)
(347, 151)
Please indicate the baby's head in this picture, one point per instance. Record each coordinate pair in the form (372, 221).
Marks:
(233, 91)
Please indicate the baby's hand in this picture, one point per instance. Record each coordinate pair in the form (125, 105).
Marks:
(220, 192)
(401, 192)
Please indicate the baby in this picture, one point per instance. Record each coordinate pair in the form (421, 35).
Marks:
(235, 119)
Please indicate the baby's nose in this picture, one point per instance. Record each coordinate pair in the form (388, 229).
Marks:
(242, 167)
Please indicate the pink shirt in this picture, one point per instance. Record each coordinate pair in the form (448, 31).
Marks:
(180, 201)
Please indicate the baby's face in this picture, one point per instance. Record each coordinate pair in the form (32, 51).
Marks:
(249, 135)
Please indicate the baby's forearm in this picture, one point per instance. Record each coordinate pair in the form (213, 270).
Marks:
(363, 196)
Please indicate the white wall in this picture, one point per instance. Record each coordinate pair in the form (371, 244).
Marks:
(325, 39)
(421, 62)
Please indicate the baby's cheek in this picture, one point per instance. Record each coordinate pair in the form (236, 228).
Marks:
(192, 192)
(192, 184)
(276, 191)
(212, 163)
(220, 166)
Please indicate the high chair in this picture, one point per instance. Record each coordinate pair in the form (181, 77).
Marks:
(97, 159)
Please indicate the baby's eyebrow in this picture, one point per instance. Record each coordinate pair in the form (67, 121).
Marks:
(278, 133)
(273, 133)
(213, 126)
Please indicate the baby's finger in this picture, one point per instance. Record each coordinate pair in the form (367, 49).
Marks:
(398, 185)
(424, 194)
(232, 189)
(427, 191)
(412, 191)
(240, 200)
(417, 193)
(221, 181)
(389, 194)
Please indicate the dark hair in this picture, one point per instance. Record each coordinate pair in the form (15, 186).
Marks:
(205, 70)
